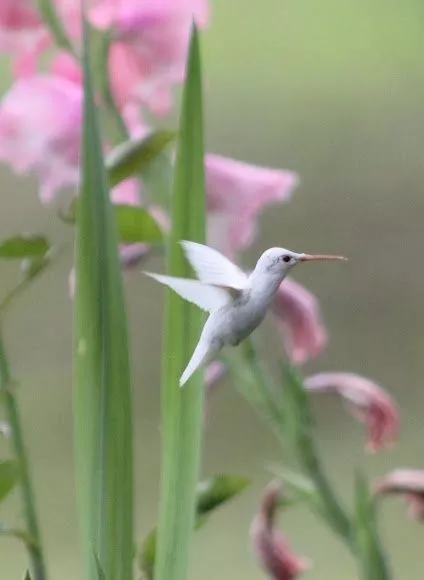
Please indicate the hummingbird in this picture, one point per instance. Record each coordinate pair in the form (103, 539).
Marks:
(237, 302)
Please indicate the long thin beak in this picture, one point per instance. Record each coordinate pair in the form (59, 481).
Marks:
(320, 258)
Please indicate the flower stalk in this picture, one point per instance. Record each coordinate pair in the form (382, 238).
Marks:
(7, 390)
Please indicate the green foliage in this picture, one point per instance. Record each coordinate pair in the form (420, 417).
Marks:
(372, 561)
(210, 494)
(9, 477)
(299, 429)
(20, 247)
(102, 419)
(48, 12)
(297, 489)
(31, 268)
(182, 408)
(134, 157)
(217, 490)
(99, 569)
(18, 534)
(136, 225)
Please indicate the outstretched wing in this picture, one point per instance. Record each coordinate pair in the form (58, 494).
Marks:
(206, 297)
(211, 267)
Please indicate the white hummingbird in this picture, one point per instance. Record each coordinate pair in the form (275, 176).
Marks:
(237, 302)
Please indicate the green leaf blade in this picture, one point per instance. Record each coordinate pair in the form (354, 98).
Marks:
(9, 477)
(136, 225)
(134, 157)
(182, 408)
(102, 388)
(21, 247)
(210, 494)
(217, 490)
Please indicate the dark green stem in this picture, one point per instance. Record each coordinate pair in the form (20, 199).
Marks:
(330, 506)
(7, 389)
(264, 383)
(259, 388)
(302, 438)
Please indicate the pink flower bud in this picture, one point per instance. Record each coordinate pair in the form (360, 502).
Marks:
(270, 545)
(368, 403)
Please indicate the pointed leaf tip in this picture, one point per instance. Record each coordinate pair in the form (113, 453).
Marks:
(133, 157)
(9, 477)
(215, 491)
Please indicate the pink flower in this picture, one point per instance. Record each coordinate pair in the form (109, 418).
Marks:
(298, 316)
(237, 194)
(40, 131)
(408, 483)
(149, 53)
(270, 545)
(368, 402)
(20, 26)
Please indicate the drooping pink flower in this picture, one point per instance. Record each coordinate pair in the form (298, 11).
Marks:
(408, 483)
(368, 403)
(40, 131)
(149, 54)
(236, 195)
(298, 317)
(270, 545)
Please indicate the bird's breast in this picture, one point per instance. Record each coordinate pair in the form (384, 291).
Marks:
(235, 322)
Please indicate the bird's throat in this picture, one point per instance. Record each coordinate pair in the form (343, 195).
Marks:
(263, 287)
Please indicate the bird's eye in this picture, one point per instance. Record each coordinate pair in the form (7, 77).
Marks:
(286, 258)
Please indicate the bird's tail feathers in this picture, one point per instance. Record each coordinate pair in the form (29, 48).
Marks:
(201, 354)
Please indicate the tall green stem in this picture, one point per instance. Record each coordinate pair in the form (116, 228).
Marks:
(7, 390)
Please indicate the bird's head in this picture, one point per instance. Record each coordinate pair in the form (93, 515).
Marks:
(279, 261)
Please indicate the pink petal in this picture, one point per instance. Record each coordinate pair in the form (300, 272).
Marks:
(65, 66)
(40, 130)
(369, 403)
(237, 194)
(408, 483)
(20, 26)
(270, 545)
(298, 316)
(150, 55)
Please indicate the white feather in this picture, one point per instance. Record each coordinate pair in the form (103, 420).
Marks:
(211, 267)
(206, 297)
(200, 355)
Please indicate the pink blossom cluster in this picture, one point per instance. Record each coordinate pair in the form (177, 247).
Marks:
(41, 124)
(40, 132)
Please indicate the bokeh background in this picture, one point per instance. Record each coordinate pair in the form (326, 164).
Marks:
(333, 90)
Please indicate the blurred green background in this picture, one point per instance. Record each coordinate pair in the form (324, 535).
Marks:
(333, 90)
